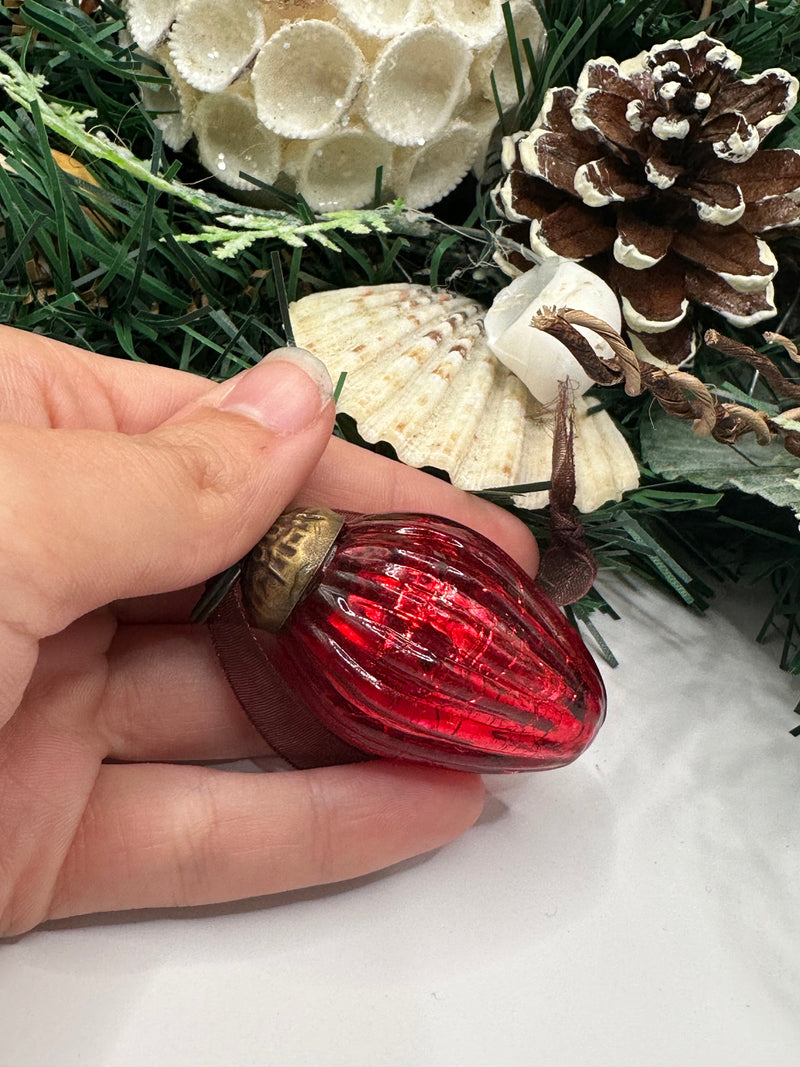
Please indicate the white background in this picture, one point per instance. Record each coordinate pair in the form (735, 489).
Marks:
(640, 907)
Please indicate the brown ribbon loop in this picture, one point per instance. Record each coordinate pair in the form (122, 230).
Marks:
(568, 568)
(285, 721)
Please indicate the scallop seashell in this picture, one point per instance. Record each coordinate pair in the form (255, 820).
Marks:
(420, 375)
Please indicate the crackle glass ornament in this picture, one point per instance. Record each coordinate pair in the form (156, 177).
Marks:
(315, 95)
(411, 636)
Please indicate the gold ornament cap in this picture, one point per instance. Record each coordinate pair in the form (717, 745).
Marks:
(279, 570)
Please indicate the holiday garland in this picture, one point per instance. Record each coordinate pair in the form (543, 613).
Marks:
(124, 246)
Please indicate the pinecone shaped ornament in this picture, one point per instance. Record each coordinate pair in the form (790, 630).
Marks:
(406, 636)
(654, 165)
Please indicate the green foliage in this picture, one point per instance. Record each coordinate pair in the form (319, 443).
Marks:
(144, 257)
(672, 449)
(136, 261)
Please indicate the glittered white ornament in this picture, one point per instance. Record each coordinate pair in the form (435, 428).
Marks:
(231, 143)
(416, 83)
(305, 78)
(208, 47)
(325, 91)
(383, 18)
(339, 168)
(149, 21)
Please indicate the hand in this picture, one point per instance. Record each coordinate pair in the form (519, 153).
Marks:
(124, 487)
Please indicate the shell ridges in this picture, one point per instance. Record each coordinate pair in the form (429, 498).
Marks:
(421, 377)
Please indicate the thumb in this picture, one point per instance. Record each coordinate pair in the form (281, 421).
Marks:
(89, 516)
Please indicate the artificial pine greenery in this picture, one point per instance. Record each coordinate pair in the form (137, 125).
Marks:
(138, 253)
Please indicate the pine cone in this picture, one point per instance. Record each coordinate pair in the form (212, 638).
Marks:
(654, 165)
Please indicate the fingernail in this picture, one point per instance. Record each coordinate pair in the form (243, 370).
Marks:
(285, 392)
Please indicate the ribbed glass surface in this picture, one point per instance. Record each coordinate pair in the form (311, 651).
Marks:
(422, 639)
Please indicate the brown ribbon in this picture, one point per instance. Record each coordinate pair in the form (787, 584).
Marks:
(285, 721)
(568, 569)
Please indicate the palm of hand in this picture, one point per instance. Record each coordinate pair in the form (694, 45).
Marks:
(108, 525)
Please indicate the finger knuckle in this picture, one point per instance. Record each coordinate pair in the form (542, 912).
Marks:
(320, 837)
(204, 475)
(196, 851)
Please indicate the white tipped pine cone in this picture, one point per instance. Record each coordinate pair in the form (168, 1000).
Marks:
(654, 166)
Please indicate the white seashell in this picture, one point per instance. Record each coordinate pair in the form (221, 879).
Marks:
(496, 55)
(230, 140)
(209, 47)
(305, 78)
(338, 171)
(421, 176)
(384, 18)
(416, 83)
(421, 376)
(539, 360)
(149, 21)
(477, 21)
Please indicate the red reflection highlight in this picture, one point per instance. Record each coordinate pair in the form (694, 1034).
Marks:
(421, 639)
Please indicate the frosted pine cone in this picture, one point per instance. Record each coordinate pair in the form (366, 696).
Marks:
(654, 165)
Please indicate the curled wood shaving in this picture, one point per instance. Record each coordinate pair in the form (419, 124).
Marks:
(679, 393)
(789, 347)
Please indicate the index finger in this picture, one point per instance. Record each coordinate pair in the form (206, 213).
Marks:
(352, 479)
(46, 383)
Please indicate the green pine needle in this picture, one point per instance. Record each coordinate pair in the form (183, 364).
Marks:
(154, 262)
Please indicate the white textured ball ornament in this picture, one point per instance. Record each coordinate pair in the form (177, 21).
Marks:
(317, 94)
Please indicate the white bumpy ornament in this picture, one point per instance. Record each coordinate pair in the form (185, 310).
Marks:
(315, 95)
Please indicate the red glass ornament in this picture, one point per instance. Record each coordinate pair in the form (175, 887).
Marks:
(420, 639)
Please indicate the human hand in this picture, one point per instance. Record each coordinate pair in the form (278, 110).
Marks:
(124, 487)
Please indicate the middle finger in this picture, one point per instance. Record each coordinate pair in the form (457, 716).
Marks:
(167, 699)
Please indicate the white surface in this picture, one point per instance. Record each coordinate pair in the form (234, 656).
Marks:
(639, 907)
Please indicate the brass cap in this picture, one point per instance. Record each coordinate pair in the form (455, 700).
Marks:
(280, 568)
